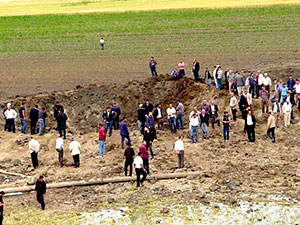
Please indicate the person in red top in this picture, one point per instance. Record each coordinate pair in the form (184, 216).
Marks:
(145, 156)
(181, 68)
(102, 138)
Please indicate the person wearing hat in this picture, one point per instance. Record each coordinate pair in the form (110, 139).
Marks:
(40, 190)
(2, 203)
(10, 116)
(128, 153)
(75, 148)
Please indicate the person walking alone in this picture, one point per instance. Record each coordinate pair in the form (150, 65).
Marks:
(75, 148)
(40, 191)
(128, 153)
(179, 149)
(102, 138)
(271, 126)
(34, 148)
(102, 43)
(60, 149)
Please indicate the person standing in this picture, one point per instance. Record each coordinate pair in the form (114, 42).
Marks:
(171, 112)
(239, 82)
(75, 148)
(22, 118)
(124, 132)
(145, 156)
(102, 43)
(248, 98)
(219, 78)
(276, 111)
(42, 120)
(150, 124)
(291, 83)
(34, 117)
(181, 68)
(204, 118)
(259, 82)
(286, 110)
(40, 190)
(194, 127)
(214, 114)
(139, 170)
(196, 68)
(179, 149)
(250, 126)
(141, 116)
(149, 138)
(264, 94)
(284, 92)
(2, 203)
(267, 83)
(271, 126)
(102, 138)
(10, 116)
(128, 153)
(207, 78)
(152, 65)
(108, 117)
(34, 147)
(179, 117)
(148, 106)
(251, 85)
(59, 145)
(226, 121)
(62, 123)
(158, 117)
(233, 105)
(243, 105)
(116, 120)
(231, 79)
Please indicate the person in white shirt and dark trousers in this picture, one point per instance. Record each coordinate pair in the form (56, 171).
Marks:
(75, 148)
(194, 126)
(10, 116)
(179, 149)
(34, 148)
(250, 122)
(60, 150)
(139, 170)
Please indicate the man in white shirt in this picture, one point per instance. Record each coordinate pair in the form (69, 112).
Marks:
(219, 78)
(267, 83)
(286, 110)
(194, 127)
(101, 43)
(139, 169)
(171, 112)
(250, 122)
(34, 148)
(60, 149)
(233, 105)
(297, 87)
(179, 149)
(75, 148)
(10, 116)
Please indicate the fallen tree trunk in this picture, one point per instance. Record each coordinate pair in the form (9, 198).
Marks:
(104, 181)
(12, 174)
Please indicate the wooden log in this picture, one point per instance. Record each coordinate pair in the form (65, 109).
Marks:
(103, 181)
(12, 174)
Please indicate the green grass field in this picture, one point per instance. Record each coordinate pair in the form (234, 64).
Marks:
(34, 7)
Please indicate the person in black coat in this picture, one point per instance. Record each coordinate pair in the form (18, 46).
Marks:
(61, 119)
(149, 138)
(148, 107)
(128, 153)
(34, 117)
(141, 113)
(250, 123)
(40, 190)
(108, 117)
(196, 68)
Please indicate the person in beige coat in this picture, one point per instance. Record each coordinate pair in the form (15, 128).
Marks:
(271, 126)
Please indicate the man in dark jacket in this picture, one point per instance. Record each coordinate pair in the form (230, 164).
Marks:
(129, 153)
(124, 132)
(141, 113)
(243, 104)
(40, 190)
(158, 117)
(108, 117)
(152, 65)
(56, 108)
(291, 83)
(250, 122)
(214, 114)
(204, 118)
(150, 124)
(149, 138)
(148, 107)
(62, 123)
(34, 117)
(116, 121)
(196, 68)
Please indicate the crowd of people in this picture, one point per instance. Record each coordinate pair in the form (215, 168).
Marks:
(276, 99)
